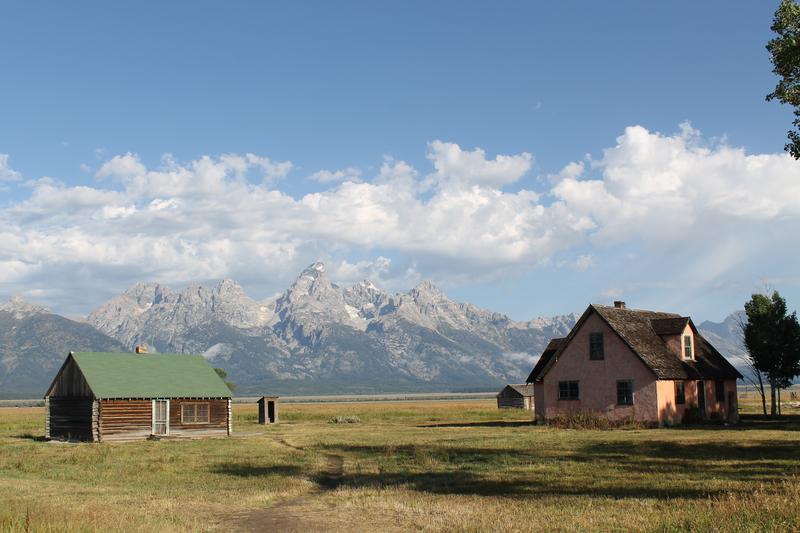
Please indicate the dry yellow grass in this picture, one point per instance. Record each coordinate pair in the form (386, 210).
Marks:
(431, 466)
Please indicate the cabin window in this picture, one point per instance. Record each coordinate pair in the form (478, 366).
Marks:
(194, 413)
(680, 392)
(688, 352)
(568, 390)
(719, 391)
(596, 346)
(625, 392)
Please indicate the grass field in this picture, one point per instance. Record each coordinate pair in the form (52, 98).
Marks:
(430, 466)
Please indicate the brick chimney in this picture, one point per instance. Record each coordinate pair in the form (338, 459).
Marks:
(141, 350)
(619, 304)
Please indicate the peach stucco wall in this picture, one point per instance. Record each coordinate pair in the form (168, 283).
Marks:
(598, 379)
(672, 413)
(538, 400)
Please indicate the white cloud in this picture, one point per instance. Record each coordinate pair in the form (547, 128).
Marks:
(660, 188)
(584, 262)
(326, 176)
(122, 167)
(699, 209)
(6, 172)
(456, 166)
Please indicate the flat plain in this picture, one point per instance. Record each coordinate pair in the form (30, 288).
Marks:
(405, 466)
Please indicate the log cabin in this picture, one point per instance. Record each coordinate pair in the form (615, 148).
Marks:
(110, 397)
(516, 396)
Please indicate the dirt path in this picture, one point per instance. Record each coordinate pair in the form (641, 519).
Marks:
(297, 514)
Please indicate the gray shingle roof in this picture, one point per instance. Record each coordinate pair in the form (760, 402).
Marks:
(550, 350)
(522, 388)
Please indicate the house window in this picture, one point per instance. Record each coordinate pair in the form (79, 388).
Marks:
(719, 391)
(568, 390)
(194, 413)
(688, 353)
(596, 346)
(680, 392)
(625, 392)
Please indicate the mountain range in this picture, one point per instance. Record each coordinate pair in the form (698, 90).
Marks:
(314, 338)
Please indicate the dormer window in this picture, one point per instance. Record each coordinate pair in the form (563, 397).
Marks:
(688, 349)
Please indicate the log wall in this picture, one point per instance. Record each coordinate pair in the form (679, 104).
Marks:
(126, 420)
(217, 419)
(69, 418)
(121, 420)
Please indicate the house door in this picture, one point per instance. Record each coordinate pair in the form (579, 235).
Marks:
(160, 417)
(701, 397)
(271, 412)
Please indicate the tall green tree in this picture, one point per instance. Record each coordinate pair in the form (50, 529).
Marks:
(772, 339)
(784, 51)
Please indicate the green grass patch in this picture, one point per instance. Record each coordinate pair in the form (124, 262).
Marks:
(431, 466)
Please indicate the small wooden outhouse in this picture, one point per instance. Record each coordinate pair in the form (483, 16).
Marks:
(518, 396)
(268, 410)
(101, 397)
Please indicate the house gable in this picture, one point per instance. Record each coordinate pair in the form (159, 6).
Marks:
(592, 383)
(69, 382)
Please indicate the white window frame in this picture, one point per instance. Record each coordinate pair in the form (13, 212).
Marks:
(184, 422)
(690, 346)
(153, 416)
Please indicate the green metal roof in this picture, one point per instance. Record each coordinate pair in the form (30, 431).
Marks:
(126, 375)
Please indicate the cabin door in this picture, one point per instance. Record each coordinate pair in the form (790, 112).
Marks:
(160, 417)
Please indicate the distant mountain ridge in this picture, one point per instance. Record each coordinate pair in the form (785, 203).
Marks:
(315, 337)
(34, 343)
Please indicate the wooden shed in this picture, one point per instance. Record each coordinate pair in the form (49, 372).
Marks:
(102, 397)
(268, 410)
(516, 396)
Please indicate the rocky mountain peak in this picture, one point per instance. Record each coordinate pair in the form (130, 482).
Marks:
(21, 308)
(147, 294)
(313, 281)
(427, 287)
(365, 297)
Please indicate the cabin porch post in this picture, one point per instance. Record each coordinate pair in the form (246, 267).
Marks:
(230, 418)
(47, 417)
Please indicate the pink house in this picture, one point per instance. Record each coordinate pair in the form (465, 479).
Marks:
(634, 364)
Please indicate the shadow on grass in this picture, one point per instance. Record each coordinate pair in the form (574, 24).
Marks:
(750, 422)
(30, 436)
(467, 483)
(488, 424)
(597, 469)
(782, 422)
(248, 470)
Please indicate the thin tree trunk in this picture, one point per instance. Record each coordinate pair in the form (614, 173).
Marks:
(761, 391)
(780, 404)
(773, 398)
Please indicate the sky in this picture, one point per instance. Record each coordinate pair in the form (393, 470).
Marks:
(529, 157)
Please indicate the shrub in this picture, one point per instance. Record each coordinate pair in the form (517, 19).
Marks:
(590, 420)
(692, 415)
(344, 420)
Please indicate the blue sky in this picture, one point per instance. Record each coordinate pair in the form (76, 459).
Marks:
(94, 95)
